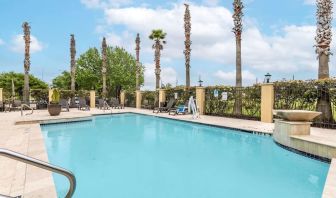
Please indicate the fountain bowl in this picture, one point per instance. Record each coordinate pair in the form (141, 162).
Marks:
(297, 115)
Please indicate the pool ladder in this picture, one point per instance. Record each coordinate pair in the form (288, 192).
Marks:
(28, 107)
(44, 165)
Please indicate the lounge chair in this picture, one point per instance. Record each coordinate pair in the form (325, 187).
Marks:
(16, 105)
(115, 104)
(64, 104)
(102, 104)
(167, 108)
(82, 105)
(181, 109)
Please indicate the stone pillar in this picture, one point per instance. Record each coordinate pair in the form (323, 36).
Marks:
(267, 102)
(92, 99)
(1, 95)
(200, 99)
(162, 95)
(122, 98)
(138, 98)
(50, 94)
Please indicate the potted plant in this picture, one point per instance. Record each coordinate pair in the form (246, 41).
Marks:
(54, 108)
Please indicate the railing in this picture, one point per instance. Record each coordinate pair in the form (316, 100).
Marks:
(44, 165)
(28, 107)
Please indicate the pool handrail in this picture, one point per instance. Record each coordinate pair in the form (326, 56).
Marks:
(44, 165)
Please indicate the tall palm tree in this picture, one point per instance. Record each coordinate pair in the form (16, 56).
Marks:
(73, 62)
(26, 37)
(187, 42)
(158, 37)
(237, 30)
(323, 39)
(137, 50)
(104, 46)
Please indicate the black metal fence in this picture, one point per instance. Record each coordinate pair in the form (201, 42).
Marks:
(181, 94)
(130, 99)
(237, 102)
(149, 99)
(308, 95)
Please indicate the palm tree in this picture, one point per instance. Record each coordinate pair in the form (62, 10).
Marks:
(137, 50)
(158, 37)
(187, 42)
(323, 39)
(237, 30)
(26, 37)
(73, 62)
(104, 46)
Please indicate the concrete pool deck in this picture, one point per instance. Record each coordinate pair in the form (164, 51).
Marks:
(23, 135)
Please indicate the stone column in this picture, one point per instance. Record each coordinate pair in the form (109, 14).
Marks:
(138, 98)
(267, 102)
(162, 95)
(92, 99)
(1, 95)
(200, 99)
(50, 94)
(122, 98)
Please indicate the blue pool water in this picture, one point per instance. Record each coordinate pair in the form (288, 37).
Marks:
(136, 156)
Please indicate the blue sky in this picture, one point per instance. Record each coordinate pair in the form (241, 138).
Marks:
(278, 36)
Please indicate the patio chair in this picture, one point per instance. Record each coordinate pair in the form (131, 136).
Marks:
(115, 104)
(2, 106)
(16, 105)
(102, 104)
(181, 109)
(82, 105)
(167, 108)
(74, 102)
(64, 104)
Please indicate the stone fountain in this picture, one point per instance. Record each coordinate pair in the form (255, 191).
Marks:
(292, 122)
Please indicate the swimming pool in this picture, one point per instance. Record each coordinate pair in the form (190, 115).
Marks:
(137, 156)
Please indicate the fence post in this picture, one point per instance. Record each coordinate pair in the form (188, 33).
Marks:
(50, 94)
(267, 102)
(200, 99)
(122, 98)
(138, 98)
(92, 99)
(1, 96)
(162, 95)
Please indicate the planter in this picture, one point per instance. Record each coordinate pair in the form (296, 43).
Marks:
(54, 109)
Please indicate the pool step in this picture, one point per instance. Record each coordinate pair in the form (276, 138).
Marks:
(4, 196)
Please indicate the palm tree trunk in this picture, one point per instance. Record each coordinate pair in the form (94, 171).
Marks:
(26, 29)
(157, 64)
(238, 88)
(323, 39)
(104, 66)
(137, 50)
(187, 30)
(73, 62)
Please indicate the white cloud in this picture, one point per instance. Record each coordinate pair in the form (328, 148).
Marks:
(18, 44)
(211, 2)
(105, 3)
(230, 77)
(309, 2)
(168, 75)
(2, 42)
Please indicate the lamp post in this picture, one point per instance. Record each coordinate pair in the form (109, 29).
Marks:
(268, 77)
(200, 81)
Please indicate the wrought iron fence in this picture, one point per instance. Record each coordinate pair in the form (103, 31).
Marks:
(308, 95)
(149, 99)
(237, 102)
(130, 99)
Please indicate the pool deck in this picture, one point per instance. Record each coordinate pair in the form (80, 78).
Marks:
(23, 135)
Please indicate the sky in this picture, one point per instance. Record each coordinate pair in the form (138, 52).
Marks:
(278, 37)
